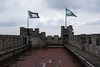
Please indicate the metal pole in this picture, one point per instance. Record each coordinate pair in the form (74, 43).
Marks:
(28, 20)
(28, 24)
(65, 18)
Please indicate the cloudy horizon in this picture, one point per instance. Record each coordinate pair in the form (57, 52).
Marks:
(13, 14)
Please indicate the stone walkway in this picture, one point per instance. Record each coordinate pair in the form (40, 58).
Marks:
(46, 57)
(88, 58)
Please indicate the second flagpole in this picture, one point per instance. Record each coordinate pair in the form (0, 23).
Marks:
(65, 18)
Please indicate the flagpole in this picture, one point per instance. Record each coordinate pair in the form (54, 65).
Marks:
(28, 21)
(65, 19)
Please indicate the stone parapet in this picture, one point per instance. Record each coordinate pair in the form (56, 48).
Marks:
(86, 42)
(54, 40)
(7, 41)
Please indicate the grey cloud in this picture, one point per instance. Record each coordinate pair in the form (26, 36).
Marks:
(2, 5)
(6, 5)
(10, 24)
(60, 22)
(90, 6)
(48, 24)
(93, 23)
(51, 24)
(61, 4)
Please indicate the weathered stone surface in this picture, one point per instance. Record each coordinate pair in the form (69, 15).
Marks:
(34, 37)
(7, 41)
(54, 40)
(90, 43)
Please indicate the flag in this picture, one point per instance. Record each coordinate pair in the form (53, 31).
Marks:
(70, 13)
(33, 15)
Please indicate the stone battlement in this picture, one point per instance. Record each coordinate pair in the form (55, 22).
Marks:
(29, 32)
(86, 42)
(54, 40)
(37, 39)
(8, 41)
(28, 36)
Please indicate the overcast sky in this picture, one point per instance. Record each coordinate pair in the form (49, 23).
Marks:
(13, 15)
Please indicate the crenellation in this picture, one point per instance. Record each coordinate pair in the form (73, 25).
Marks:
(62, 32)
(54, 40)
(56, 37)
(23, 31)
(29, 32)
(42, 35)
(28, 36)
(36, 32)
(49, 39)
(86, 42)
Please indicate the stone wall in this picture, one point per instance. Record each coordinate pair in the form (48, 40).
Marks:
(93, 44)
(9, 52)
(8, 41)
(54, 40)
(33, 37)
(86, 42)
(37, 39)
(29, 32)
(11, 45)
(78, 41)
